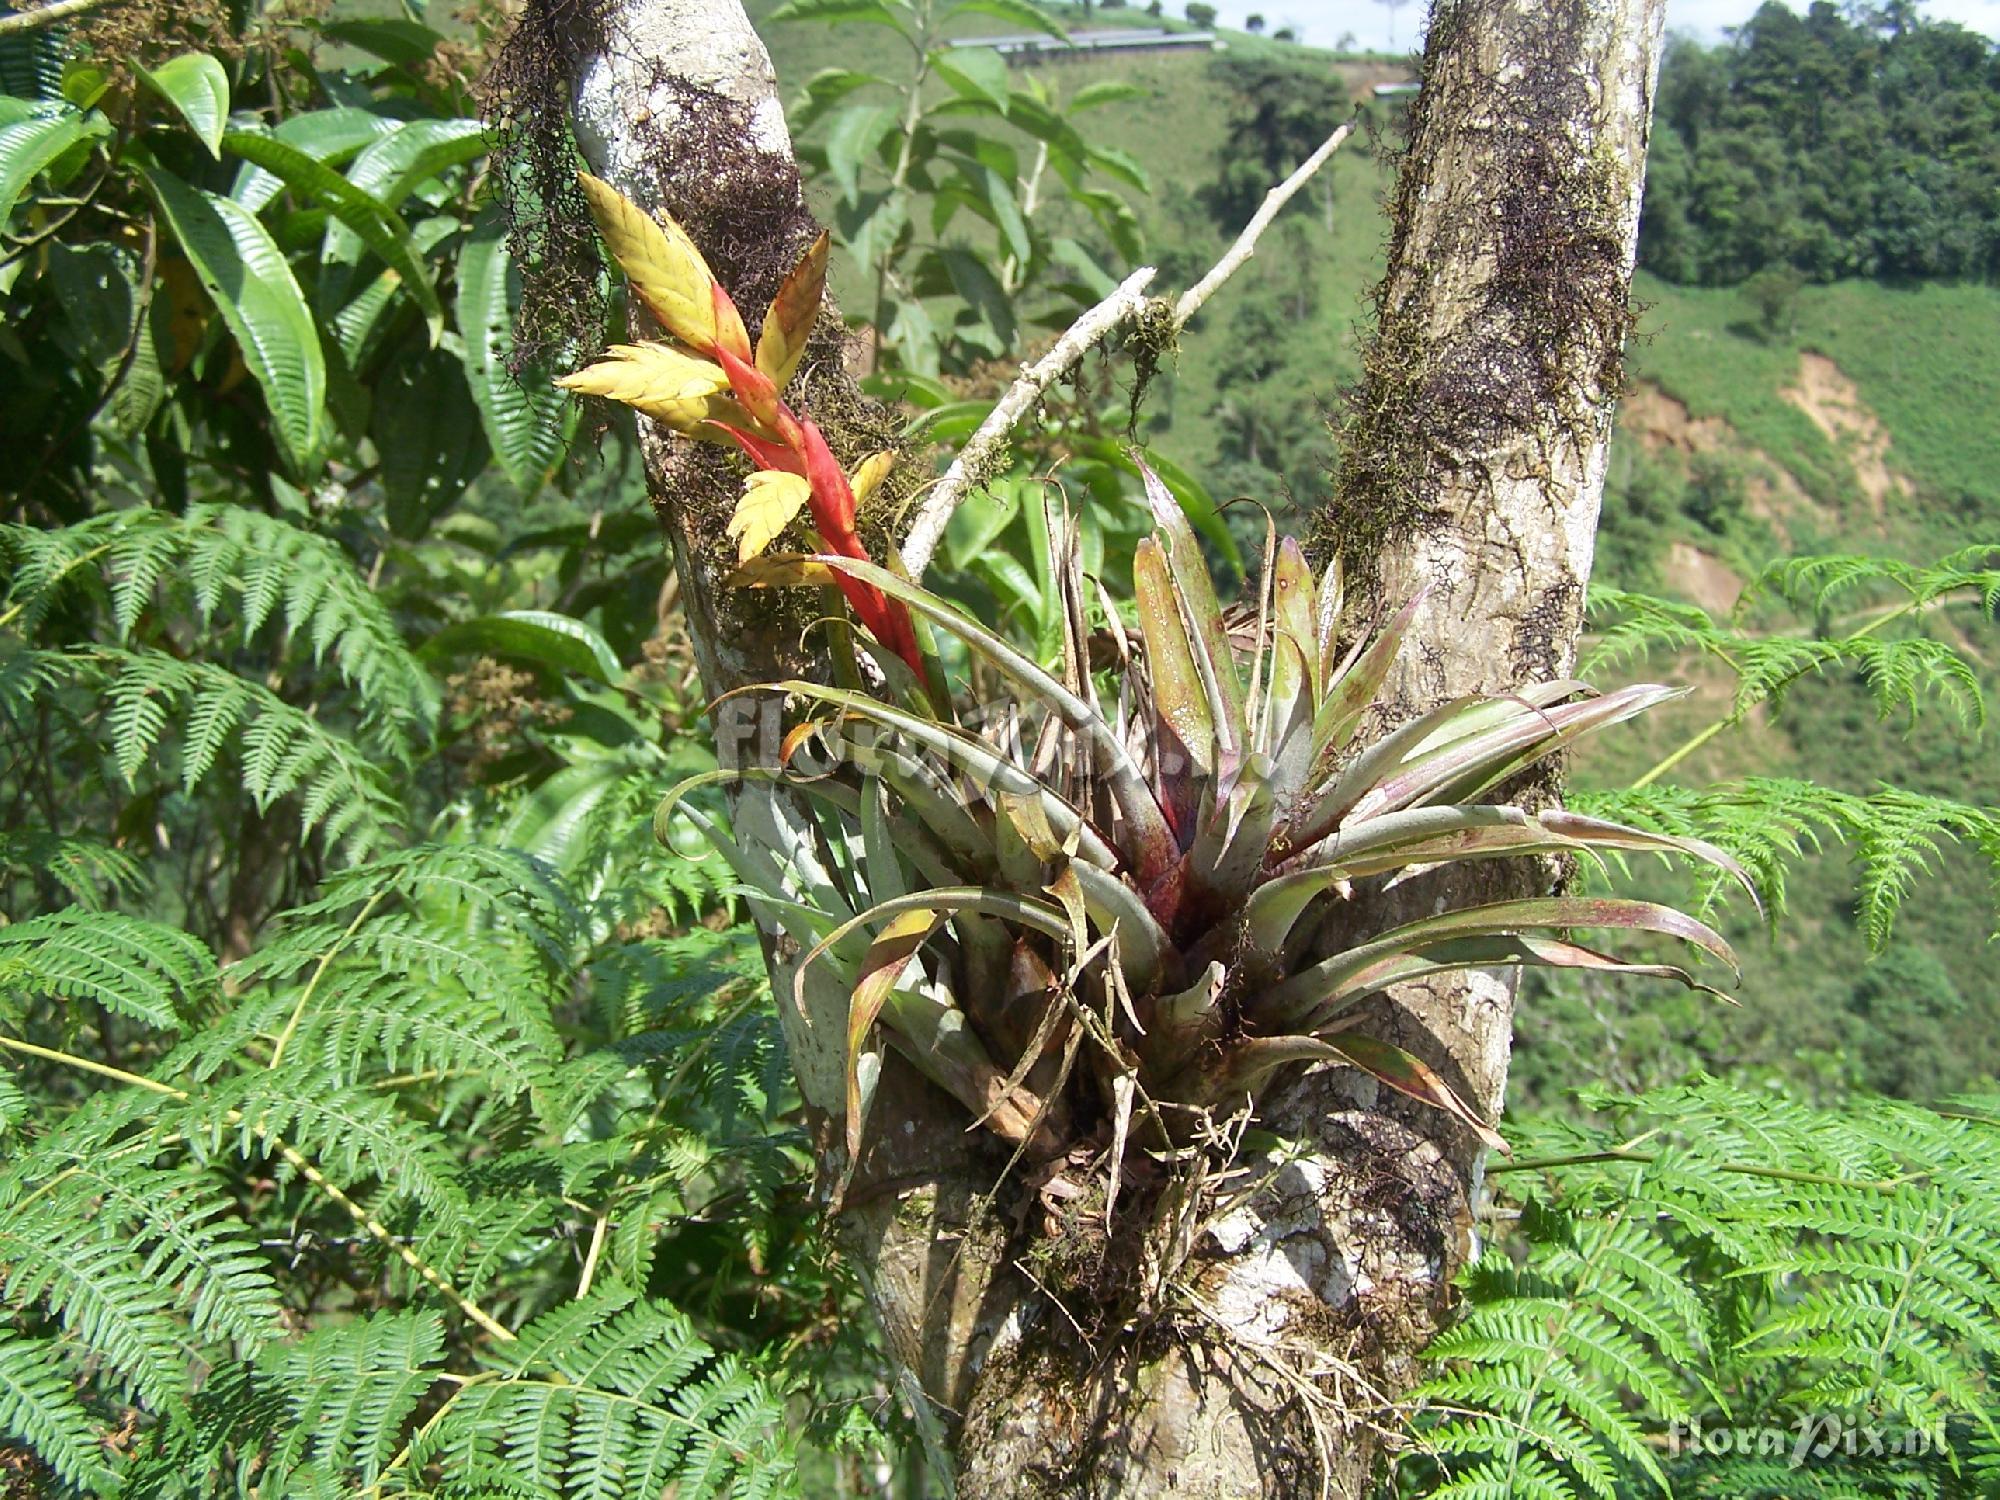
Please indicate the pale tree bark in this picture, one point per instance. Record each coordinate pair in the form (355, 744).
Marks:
(1269, 1362)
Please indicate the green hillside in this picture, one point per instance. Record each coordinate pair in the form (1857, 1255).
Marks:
(1851, 416)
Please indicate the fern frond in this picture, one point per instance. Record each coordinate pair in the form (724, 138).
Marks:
(1771, 823)
(617, 1398)
(351, 1392)
(350, 1132)
(232, 566)
(1904, 673)
(178, 1225)
(38, 1407)
(103, 1298)
(153, 973)
(1812, 584)
(82, 868)
(1841, 1265)
(283, 750)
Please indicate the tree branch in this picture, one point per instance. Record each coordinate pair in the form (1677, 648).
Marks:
(49, 15)
(1103, 320)
(1246, 242)
(1098, 324)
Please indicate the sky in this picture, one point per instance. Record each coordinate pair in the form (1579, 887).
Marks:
(1373, 24)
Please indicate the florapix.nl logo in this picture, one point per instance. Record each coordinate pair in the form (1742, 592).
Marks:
(1815, 1437)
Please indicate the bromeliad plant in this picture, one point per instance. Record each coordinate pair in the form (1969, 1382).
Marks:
(1174, 877)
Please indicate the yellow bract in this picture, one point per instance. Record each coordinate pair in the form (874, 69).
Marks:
(666, 271)
(789, 323)
(671, 387)
(781, 571)
(868, 478)
(769, 502)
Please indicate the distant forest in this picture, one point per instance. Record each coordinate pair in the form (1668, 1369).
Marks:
(1852, 141)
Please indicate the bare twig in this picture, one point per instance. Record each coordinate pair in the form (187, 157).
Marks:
(1099, 323)
(1246, 242)
(945, 497)
(49, 15)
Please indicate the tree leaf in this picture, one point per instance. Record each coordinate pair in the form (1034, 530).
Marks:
(867, 12)
(999, 195)
(379, 227)
(397, 40)
(974, 73)
(332, 136)
(770, 500)
(397, 165)
(28, 146)
(538, 636)
(195, 85)
(1014, 12)
(1104, 91)
(252, 286)
(855, 135)
(823, 90)
(425, 426)
(522, 417)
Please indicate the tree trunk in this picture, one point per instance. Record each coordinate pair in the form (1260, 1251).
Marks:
(1270, 1358)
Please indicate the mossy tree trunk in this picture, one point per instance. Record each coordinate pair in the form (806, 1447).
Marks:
(1473, 463)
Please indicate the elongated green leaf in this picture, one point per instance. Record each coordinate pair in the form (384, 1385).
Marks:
(1014, 13)
(332, 136)
(28, 146)
(1104, 91)
(522, 417)
(863, 12)
(1323, 981)
(426, 430)
(195, 85)
(1153, 847)
(380, 228)
(397, 165)
(975, 73)
(987, 766)
(1207, 637)
(539, 636)
(852, 139)
(1346, 695)
(999, 195)
(246, 276)
(881, 966)
(395, 39)
(550, 820)
(1424, 836)
(1459, 722)
(1111, 903)
(1459, 770)
(1304, 1012)
(1178, 696)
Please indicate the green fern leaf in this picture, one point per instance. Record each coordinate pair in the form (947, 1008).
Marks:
(38, 1406)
